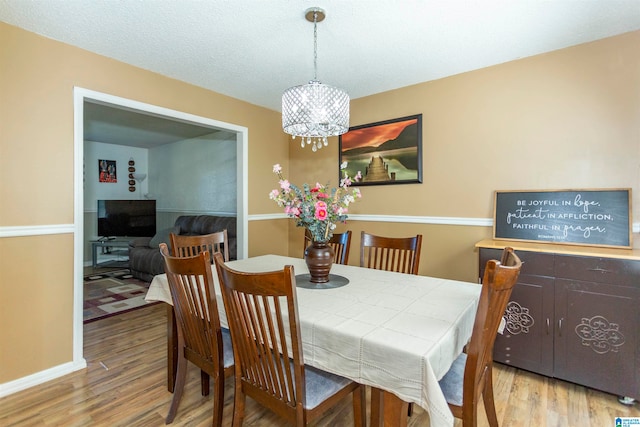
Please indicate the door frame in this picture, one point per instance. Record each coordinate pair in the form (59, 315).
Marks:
(80, 95)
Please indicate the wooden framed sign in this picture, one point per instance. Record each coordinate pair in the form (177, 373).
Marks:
(579, 217)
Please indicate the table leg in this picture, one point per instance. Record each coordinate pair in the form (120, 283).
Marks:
(172, 348)
(387, 409)
(94, 255)
(377, 403)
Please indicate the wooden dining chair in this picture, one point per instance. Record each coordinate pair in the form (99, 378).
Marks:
(262, 313)
(399, 254)
(186, 246)
(201, 340)
(340, 242)
(470, 375)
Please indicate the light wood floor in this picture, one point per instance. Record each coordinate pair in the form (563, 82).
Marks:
(132, 391)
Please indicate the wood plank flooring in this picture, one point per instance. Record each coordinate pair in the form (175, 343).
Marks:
(130, 390)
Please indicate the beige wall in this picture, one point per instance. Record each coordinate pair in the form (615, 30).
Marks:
(567, 119)
(36, 293)
(564, 120)
(37, 77)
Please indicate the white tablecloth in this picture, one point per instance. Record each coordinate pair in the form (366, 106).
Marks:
(394, 331)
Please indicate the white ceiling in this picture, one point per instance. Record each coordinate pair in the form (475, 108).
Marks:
(254, 49)
(111, 124)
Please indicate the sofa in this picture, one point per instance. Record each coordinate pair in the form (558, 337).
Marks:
(145, 260)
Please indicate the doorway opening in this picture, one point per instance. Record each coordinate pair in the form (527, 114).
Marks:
(84, 97)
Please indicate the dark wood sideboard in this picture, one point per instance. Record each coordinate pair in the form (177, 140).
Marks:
(574, 314)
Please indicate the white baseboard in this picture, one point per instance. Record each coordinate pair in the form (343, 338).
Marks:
(40, 377)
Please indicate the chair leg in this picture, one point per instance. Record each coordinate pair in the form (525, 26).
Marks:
(470, 415)
(360, 406)
(181, 375)
(204, 383)
(218, 399)
(238, 406)
(487, 398)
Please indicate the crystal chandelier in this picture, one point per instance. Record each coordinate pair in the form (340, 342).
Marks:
(315, 111)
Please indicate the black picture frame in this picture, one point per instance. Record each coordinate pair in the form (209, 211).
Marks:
(386, 152)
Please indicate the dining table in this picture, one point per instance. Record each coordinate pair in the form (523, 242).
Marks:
(396, 332)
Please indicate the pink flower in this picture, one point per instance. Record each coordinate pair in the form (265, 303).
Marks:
(292, 210)
(321, 211)
(285, 185)
(273, 195)
(277, 168)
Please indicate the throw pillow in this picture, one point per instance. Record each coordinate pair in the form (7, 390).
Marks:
(162, 236)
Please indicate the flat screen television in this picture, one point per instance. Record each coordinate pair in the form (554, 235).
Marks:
(126, 218)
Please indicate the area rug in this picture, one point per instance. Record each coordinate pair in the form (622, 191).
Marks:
(111, 293)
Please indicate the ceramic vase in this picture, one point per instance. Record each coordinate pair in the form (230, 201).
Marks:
(319, 258)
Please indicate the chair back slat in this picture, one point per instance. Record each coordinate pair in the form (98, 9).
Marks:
(397, 254)
(190, 246)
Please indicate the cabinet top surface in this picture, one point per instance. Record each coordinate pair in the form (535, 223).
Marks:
(561, 249)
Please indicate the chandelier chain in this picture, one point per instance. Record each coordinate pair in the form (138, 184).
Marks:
(315, 45)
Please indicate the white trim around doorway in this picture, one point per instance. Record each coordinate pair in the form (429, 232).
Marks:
(80, 95)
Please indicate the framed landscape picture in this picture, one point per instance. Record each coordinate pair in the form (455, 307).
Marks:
(388, 152)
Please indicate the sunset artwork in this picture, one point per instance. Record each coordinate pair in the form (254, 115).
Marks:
(388, 152)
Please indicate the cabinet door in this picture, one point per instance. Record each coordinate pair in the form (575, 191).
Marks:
(596, 336)
(527, 339)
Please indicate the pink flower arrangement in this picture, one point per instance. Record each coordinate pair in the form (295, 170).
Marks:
(317, 208)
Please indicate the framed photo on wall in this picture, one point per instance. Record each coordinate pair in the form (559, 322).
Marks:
(107, 171)
(387, 152)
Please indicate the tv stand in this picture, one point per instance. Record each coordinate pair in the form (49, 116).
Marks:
(108, 243)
